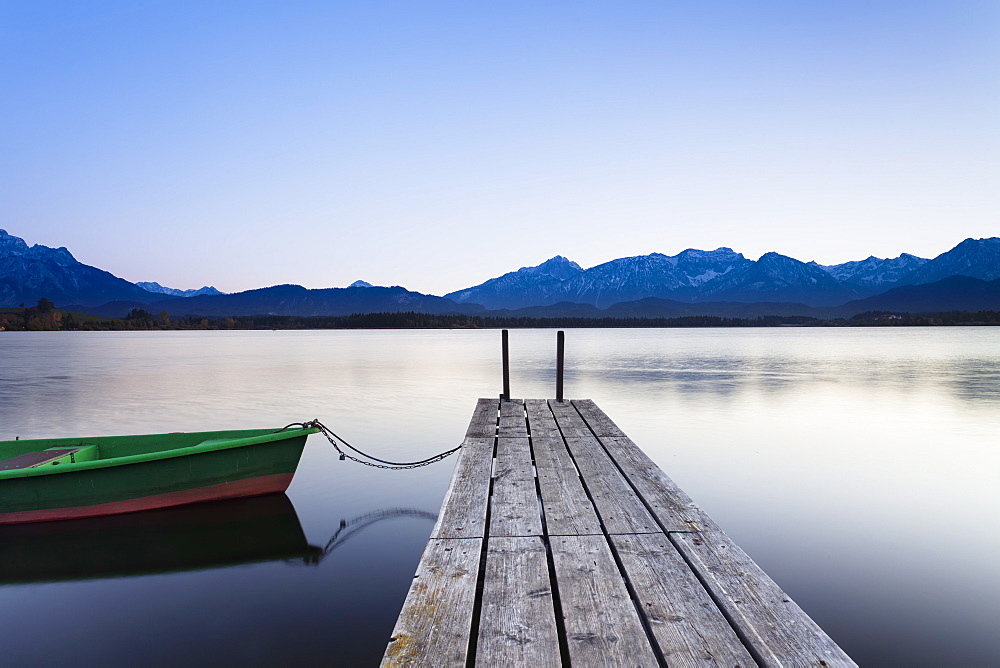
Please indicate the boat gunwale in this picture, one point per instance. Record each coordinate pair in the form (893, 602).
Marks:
(198, 448)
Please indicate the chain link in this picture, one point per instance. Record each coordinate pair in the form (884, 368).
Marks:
(376, 462)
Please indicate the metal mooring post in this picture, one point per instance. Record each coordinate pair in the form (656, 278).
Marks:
(506, 366)
(560, 354)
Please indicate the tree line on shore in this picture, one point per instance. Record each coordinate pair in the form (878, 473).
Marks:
(45, 317)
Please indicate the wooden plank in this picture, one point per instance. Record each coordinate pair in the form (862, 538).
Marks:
(569, 420)
(541, 422)
(619, 509)
(484, 419)
(687, 625)
(568, 510)
(517, 623)
(513, 427)
(30, 460)
(669, 503)
(435, 624)
(617, 505)
(601, 622)
(596, 419)
(512, 420)
(512, 407)
(514, 509)
(775, 629)
(463, 510)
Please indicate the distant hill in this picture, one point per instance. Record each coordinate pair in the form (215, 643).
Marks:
(297, 300)
(955, 293)
(118, 308)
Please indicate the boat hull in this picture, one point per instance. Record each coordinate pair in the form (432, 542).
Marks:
(157, 480)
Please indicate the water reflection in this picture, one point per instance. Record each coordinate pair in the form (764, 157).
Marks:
(197, 537)
(172, 540)
(350, 528)
(975, 381)
(685, 365)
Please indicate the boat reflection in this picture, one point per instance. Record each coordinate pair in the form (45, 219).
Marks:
(188, 538)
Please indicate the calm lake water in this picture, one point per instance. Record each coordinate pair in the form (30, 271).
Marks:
(859, 467)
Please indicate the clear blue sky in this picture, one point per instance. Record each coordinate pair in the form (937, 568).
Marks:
(437, 144)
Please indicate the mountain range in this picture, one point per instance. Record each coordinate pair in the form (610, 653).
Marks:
(30, 273)
(174, 292)
(723, 275)
(693, 282)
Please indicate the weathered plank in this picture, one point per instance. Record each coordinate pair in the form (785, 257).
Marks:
(517, 623)
(463, 511)
(512, 420)
(619, 509)
(484, 419)
(541, 422)
(571, 424)
(669, 503)
(436, 620)
(514, 507)
(688, 627)
(568, 510)
(775, 629)
(512, 407)
(597, 420)
(602, 625)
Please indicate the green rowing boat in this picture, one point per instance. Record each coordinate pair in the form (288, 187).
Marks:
(64, 478)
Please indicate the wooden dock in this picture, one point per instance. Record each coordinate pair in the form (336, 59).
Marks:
(560, 542)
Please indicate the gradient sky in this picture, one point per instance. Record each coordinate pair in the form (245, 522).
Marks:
(437, 144)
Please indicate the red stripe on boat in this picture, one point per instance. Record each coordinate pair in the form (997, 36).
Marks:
(265, 484)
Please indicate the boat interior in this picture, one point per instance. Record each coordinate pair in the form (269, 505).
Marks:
(35, 453)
